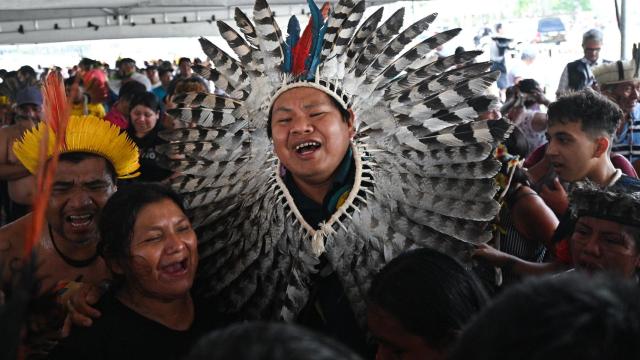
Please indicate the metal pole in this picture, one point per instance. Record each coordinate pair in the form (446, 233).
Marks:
(623, 29)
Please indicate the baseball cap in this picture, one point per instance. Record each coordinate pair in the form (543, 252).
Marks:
(29, 95)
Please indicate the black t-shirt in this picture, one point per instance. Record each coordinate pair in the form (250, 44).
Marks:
(121, 333)
(150, 169)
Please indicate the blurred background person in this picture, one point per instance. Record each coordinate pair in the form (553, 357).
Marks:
(269, 341)
(578, 74)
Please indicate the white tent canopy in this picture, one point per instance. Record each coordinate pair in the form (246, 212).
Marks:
(42, 21)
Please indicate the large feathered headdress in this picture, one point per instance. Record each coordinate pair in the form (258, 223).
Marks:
(423, 167)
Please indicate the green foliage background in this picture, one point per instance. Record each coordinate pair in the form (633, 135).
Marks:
(542, 7)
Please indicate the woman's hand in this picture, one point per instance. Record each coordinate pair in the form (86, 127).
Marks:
(493, 256)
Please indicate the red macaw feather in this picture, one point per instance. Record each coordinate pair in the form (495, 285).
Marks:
(301, 50)
(56, 114)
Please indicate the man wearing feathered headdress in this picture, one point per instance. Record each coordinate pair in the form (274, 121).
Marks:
(330, 155)
(93, 154)
(334, 151)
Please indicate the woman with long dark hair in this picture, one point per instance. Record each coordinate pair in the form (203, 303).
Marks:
(151, 250)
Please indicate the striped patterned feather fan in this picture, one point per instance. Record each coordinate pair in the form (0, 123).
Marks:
(424, 168)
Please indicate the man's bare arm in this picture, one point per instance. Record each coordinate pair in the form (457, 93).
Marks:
(12, 172)
(9, 168)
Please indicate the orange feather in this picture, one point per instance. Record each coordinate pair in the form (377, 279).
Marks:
(56, 115)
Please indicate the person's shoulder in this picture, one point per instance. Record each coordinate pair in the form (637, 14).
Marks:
(9, 132)
(626, 184)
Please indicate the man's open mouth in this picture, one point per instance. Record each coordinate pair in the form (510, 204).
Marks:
(78, 221)
(307, 147)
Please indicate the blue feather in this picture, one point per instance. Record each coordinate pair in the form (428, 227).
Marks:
(293, 35)
(317, 49)
(318, 22)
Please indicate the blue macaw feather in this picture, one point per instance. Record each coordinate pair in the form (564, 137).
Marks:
(318, 22)
(317, 49)
(293, 35)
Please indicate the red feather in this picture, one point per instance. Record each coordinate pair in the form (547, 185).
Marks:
(301, 50)
(56, 114)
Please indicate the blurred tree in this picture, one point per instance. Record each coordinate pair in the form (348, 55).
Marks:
(524, 6)
(550, 7)
(570, 6)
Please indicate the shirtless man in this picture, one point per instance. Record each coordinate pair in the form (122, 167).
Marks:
(67, 249)
(82, 183)
(20, 183)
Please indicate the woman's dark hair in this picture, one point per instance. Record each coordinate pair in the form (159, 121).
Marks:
(269, 341)
(119, 215)
(130, 89)
(146, 99)
(516, 144)
(429, 293)
(528, 85)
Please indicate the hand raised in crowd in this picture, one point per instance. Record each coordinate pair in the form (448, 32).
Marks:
(555, 196)
(539, 97)
(78, 299)
(493, 256)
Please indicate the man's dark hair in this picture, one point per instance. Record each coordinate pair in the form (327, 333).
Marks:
(162, 71)
(516, 144)
(184, 59)
(27, 70)
(429, 293)
(119, 216)
(131, 89)
(567, 317)
(268, 341)
(76, 157)
(528, 85)
(146, 99)
(87, 63)
(597, 114)
(126, 61)
(344, 113)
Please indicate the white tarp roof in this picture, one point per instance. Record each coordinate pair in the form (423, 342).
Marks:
(40, 21)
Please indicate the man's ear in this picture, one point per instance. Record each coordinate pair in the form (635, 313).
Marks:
(602, 146)
(351, 122)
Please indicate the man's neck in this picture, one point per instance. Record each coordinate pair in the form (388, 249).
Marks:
(603, 175)
(315, 191)
(71, 250)
(176, 314)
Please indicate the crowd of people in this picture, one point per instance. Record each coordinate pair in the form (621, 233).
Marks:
(156, 245)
